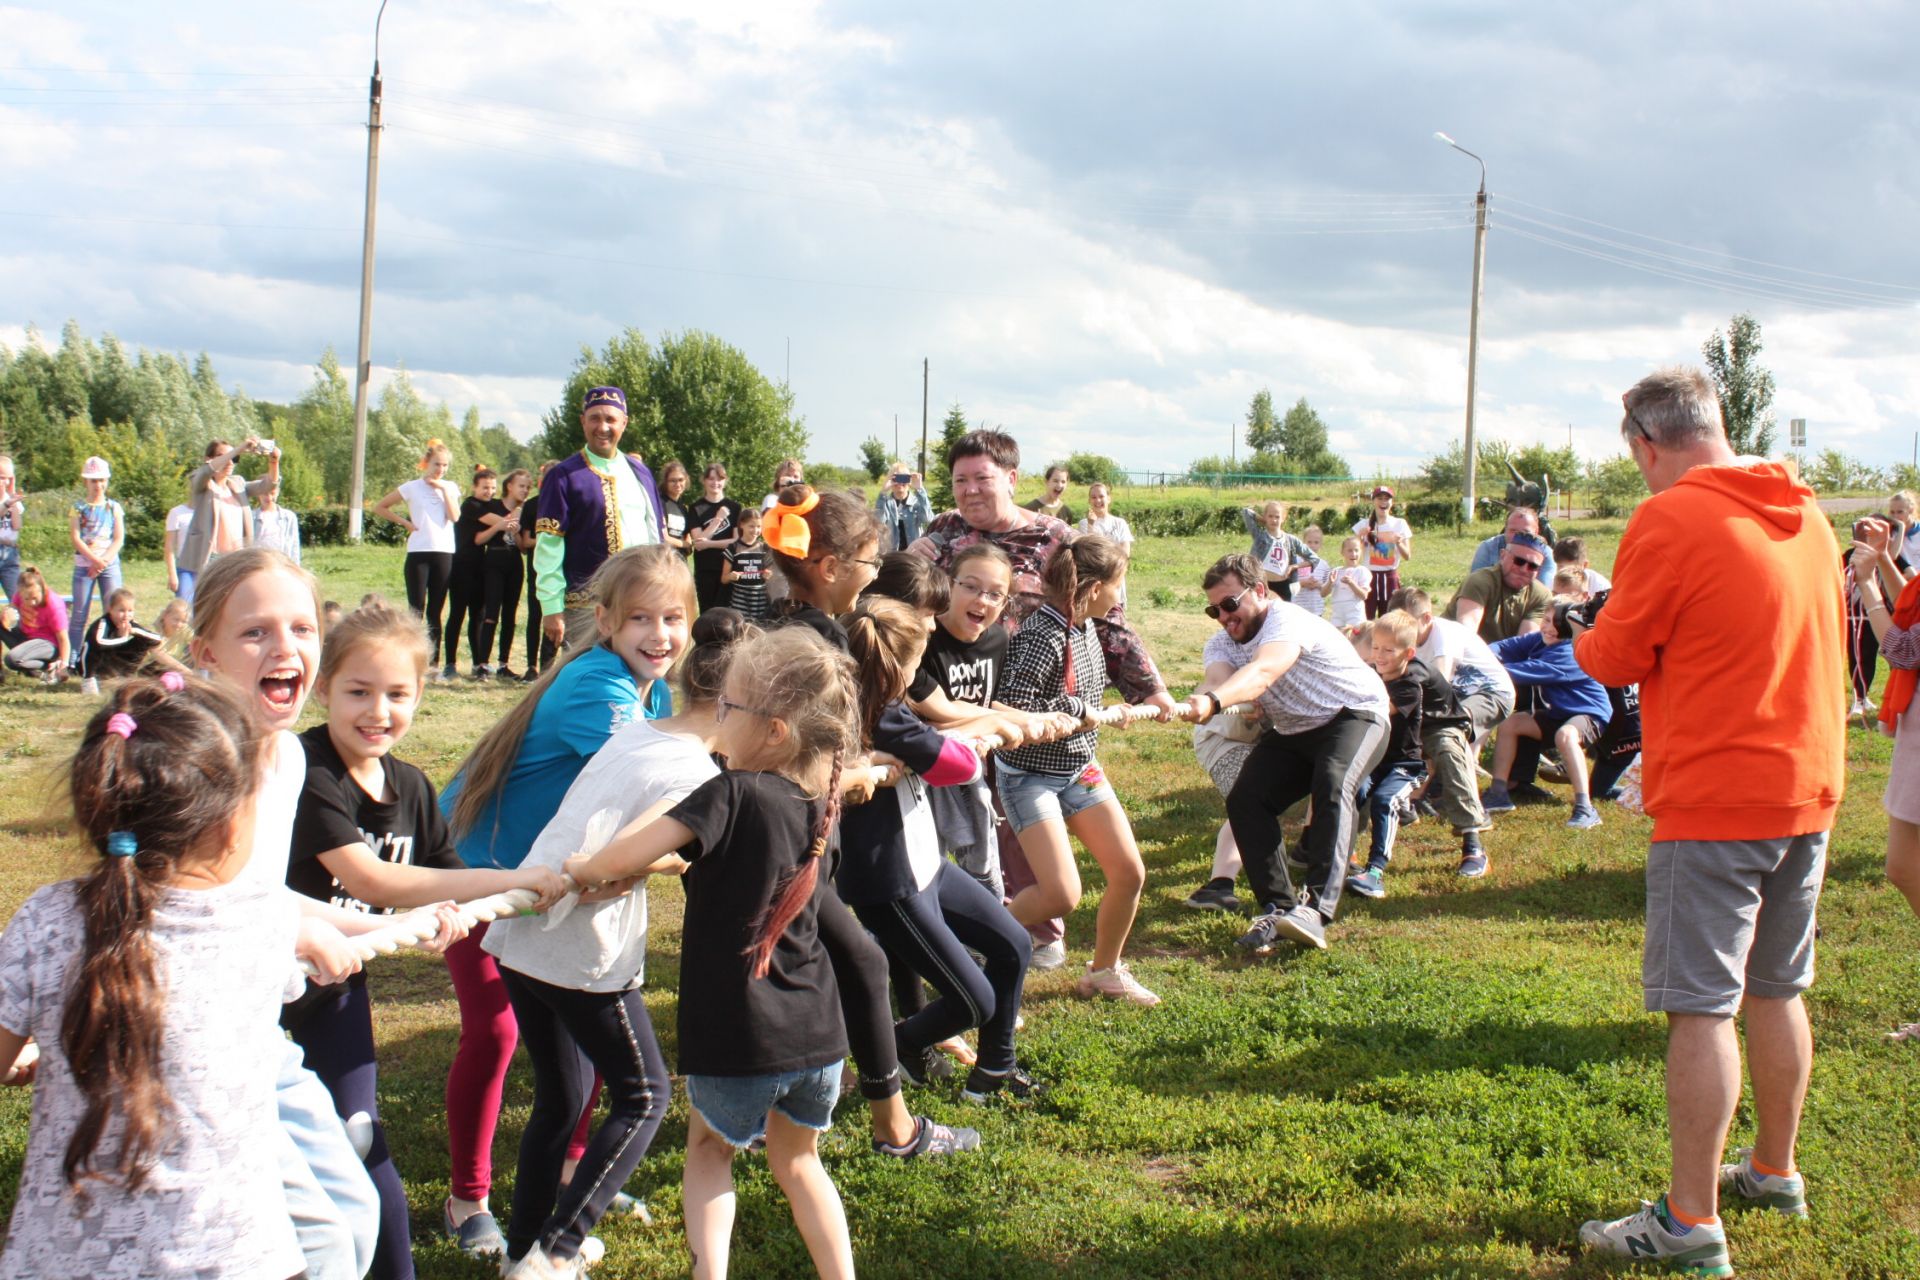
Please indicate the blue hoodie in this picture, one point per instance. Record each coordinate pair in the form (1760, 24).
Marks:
(1569, 691)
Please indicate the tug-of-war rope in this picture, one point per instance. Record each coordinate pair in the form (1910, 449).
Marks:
(422, 926)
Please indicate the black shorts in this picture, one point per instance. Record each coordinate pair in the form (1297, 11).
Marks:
(1551, 722)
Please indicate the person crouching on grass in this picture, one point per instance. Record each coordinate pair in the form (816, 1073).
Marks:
(1575, 708)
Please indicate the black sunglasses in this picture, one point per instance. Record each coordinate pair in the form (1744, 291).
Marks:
(1634, 419)
(1230, 605)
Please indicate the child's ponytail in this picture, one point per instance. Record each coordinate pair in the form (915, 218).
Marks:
(156, 782)
(886, 640)
(1076, 568)
(797, 889)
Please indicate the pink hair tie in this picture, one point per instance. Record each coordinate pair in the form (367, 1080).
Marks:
(122, 723)
(172, 681)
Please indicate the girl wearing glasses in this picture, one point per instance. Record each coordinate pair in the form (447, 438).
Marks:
(506, 791)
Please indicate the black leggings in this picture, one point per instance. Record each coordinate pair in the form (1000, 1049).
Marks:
(568, 1035)
(860, 971)
(497, 605)
(337, 1035)
(427, 573)
(709, 592)
(463, 595)
(932, 931)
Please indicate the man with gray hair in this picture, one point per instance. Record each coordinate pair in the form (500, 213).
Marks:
(1741, 673)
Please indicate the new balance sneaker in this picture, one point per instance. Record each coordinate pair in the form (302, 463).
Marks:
(1473, 864)
(1370, 883)
(1585, 818)
(983, 1086)
(931, 1139)
(1496, 800)
(1050, 955)
(1652, 1235)
(1303, 925)
(1786, 1195)
(1214, 895)
(1117, 983)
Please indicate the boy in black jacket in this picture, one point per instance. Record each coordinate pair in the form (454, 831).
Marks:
(1416, 692)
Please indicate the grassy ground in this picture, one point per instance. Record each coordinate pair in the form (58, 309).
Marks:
(1447, 1092)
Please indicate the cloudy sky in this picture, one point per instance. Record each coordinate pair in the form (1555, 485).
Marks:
(1105, 225)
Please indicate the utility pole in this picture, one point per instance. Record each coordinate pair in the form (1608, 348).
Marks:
(896, 435)
(1473, 318)
(363, 367)
(926, 381)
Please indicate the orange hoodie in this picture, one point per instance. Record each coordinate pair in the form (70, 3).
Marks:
(1727, 610)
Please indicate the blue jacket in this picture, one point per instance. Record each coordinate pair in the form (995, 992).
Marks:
(1530, 660)
(915, 512)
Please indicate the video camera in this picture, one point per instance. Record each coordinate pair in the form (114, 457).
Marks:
(1584, 614)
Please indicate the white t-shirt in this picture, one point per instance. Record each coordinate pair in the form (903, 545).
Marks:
(1116, 529)
(273, 811)
(432, 526)
(212, 1204)
(1475, 669)
(1383, 556)
(1597, 581)
(177, 521)
(600, 946)
(1349, 610)
(1327, 679)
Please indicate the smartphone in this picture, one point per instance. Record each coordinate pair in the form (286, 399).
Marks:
(903, 477)
(268, 448)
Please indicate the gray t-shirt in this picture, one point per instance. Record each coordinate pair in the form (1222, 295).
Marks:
(1329, 677)
(600, 946)
(212, 1204)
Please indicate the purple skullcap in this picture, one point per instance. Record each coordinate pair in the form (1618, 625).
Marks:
(605, 395)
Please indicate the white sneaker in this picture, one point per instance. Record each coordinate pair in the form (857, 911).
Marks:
(1117, 983)
(1651, 1236)
(1052, 955)
(1857, 711)
(90, 686)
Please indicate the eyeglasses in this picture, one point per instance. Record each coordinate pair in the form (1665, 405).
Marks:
(1229, 605)
(1531, 564)
(1634, 419)
(973, 588)
(723, 706)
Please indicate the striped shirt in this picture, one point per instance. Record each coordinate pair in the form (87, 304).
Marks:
(1054, 666)
(1328, 678)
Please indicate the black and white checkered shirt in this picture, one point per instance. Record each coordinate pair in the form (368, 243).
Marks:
(1048, 657)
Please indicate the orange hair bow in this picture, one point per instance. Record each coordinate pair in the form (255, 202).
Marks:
(785, 528)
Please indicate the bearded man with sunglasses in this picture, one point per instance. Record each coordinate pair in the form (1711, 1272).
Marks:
(1506, 600)
(1326, 716)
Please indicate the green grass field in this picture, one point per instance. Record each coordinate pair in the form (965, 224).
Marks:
(1448, 1091)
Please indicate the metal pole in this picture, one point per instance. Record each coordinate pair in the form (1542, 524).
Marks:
(1470, 502)
(363, 367)
(926, 381)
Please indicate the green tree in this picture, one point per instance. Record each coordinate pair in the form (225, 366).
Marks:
(627, 363)
(323, 418)
(940, 479)
(874, 457)
(1616, 485)
(1302, 441)
(1264, 433)
(1744, 384)
(1094, 468)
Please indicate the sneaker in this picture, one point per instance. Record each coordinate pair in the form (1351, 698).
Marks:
(1585, 818)
(1214, 895)
(1553, 771)
(483, 672)
(1869, 706)
(624, 1206)
(448, 674)
(1858, 711)
(592, 1249)
(1303, 925)
(478, 1237)
(1117, 983)
(1786, 1195)
(1408, 811)
(538, 1266)
(90, 686)
(1050, 955)
(983, 1086)
(1473, 865)
(1370, 883)
(1497, 801)
(1652, 1236)
(1261, 936)
(505, 672)
(530, 676)
(926, 1066)
(931, 1139)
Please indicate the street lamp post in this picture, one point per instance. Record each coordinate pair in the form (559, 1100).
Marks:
(1473, 318)
(363, 367)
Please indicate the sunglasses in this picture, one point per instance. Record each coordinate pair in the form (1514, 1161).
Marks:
(1230, 605)
(1634, 419)
(1531, 564)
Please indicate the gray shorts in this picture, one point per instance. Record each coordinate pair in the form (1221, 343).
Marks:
(1729, 917)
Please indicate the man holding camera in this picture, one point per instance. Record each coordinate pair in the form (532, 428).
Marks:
(903, 506)
(1741, 676)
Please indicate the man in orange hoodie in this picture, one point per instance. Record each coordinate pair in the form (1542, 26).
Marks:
(1726, 610)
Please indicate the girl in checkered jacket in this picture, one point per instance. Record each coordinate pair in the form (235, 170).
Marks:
(1051, 790)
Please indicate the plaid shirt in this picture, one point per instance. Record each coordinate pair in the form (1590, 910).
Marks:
(1053, 665)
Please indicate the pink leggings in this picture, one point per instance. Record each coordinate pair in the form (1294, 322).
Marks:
(488, 1037)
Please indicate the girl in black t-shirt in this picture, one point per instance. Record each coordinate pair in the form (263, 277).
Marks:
(368, 831)
(675, 519)
(502, 572)
(711, 522)
(464, 579)
(761, 1040)
(921, 907)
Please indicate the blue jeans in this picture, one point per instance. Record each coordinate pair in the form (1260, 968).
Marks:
(186, 577)
(335, 1209)
(1383, 792)
(83, 589)
(9, 570)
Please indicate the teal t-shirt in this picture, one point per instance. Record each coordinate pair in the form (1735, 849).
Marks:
(591, 697)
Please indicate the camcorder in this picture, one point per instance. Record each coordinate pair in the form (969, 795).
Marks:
(1583, 614)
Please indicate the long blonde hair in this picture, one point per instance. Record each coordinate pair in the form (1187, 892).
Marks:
(224, 574)
(637, 571)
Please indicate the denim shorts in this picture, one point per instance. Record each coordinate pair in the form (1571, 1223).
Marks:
(1032, 798)
(735, 1107)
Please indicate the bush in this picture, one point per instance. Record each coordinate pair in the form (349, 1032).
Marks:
(1616, 486)
(327, 527)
